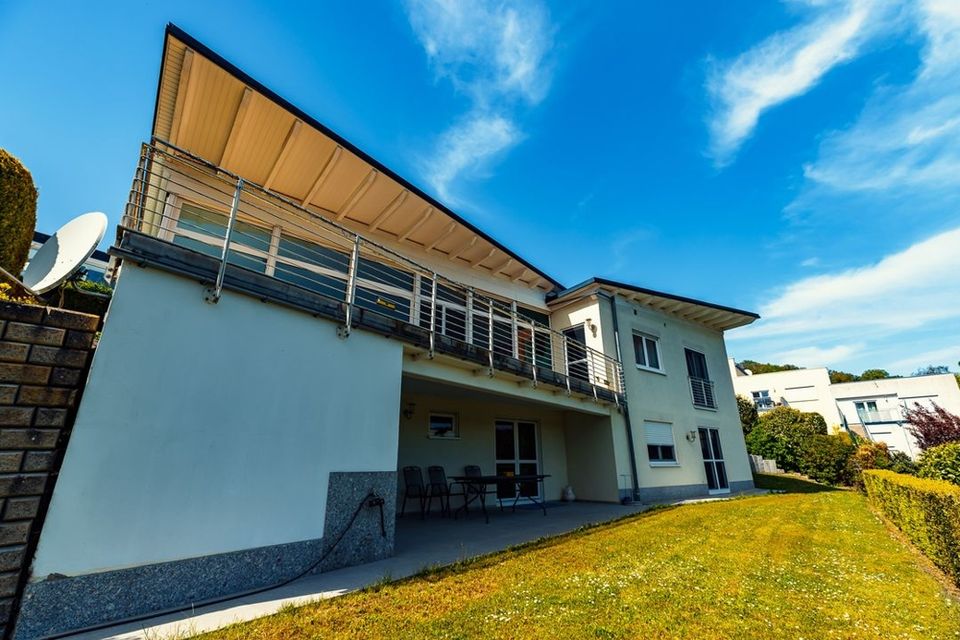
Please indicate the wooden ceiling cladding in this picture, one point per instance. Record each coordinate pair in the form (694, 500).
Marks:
(207, 110)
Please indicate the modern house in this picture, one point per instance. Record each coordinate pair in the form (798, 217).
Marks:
(293, 323)
(874, 409)
(803, 389)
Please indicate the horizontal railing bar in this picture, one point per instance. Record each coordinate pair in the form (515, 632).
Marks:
(264, 215)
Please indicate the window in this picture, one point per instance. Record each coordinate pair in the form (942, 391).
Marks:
(646, 348)
(204, 231)
(660, 447)
(578, 365)
(443, 426)
(701, 388)
(696, 364)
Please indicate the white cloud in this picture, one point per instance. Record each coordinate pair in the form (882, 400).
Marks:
(872, 313)
(497, 54)
(907, 140)
(810, 357)
(903, 290)
(784, 66)
(469, 144)
(945, 355)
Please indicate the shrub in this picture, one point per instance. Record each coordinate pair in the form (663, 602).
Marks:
(748, 414)
(902, 463)
(941, 463)
(932, 427)
(926, 511)
(780, 434)
(18, 213)
(869, 455)
(825, 458)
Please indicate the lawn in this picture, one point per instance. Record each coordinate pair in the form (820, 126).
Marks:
(807, 564)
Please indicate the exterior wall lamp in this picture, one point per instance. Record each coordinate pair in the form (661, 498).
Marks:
(408, 410)
(691, 435)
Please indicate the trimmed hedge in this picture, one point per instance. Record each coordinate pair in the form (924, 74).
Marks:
(926, 511)
(18, 213)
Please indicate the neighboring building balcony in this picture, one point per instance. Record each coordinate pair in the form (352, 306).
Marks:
(188, 216)
(701, 390)
(878, 416)
(764, 404)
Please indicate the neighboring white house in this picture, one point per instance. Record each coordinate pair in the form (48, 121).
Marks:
(872, 408)
(803, 389)
(876, 407)
(239, 413)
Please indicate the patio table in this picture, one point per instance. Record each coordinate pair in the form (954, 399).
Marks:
(477, 485)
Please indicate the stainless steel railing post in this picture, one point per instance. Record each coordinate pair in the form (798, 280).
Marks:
(433, 314)
(351, 293)
(213, 294)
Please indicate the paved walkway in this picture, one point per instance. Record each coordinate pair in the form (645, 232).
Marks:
(420, 544)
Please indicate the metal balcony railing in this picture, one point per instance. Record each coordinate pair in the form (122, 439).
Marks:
(872, 416)
(193, 204)
(764, 404)
(701, 390)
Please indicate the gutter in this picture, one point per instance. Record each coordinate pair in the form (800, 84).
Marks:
(626, 403)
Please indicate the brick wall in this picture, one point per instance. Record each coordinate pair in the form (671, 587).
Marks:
(44, 356)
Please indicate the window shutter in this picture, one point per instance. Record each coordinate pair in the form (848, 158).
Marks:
(660, 433)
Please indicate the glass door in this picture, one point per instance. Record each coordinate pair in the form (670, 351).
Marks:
(577, 363)
(713, 463)
(517, 454)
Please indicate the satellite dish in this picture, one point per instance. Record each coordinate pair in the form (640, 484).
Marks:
(65, 252)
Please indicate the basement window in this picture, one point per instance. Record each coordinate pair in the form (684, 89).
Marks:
(443, 426)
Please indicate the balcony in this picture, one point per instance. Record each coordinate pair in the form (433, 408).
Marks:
(764, 403)
(877, 416)
(701, 390)
(191, 217)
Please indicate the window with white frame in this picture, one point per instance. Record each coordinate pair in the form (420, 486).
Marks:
(660, 445)
(646, 349)
(443, 426)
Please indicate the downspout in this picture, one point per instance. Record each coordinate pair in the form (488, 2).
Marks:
(626, 403)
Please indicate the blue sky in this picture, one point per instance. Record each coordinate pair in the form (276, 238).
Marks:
(800, 159)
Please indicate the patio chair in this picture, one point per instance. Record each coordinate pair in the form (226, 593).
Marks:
(440, 488)
(479, 491)
(413, 487)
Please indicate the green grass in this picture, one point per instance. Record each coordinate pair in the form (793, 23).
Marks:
(815, 563)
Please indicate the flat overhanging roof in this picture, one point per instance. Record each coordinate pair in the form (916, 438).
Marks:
(711, 315)
(209, 107)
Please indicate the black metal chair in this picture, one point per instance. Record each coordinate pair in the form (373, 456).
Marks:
(440, 488)
(473, 491)
(413, 487)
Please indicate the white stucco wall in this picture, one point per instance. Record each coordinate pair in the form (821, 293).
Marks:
(802, 389)
(212, 428)
(665, 397)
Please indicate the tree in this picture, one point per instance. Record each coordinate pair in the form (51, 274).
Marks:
(875, 374)
(18, 213)
(766, 367)
(748, 414)
(932, 427)
(931, 370)
(837, 377)
(826, 458)
(781, 434)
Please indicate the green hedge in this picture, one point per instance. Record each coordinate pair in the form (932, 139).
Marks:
(926, 511)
